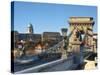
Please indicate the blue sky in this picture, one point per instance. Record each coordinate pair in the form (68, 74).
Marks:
(49, 17)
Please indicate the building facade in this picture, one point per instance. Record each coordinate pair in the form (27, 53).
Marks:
(49, 38)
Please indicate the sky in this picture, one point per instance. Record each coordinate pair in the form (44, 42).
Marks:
(49, 17)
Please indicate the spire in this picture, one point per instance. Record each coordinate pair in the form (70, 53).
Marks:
(29, 25)
(30, 28)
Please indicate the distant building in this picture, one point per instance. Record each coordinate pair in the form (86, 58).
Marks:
(30, 29)
(29, 36)
(25, 36)
(53, 36)
(14, 39)
(47, 37)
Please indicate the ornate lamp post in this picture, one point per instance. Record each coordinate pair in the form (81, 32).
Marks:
(64, 46)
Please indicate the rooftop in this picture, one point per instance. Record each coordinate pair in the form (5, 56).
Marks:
(51, 33)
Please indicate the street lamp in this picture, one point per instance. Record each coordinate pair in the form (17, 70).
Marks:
(64, 46)
(64, 32)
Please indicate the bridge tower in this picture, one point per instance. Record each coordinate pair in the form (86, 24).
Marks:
(84, 25)
(82, 36)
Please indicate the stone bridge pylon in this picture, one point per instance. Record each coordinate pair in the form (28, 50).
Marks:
(81, 37)
(82, 28)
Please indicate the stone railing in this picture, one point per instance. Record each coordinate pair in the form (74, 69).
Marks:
(58, 65)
